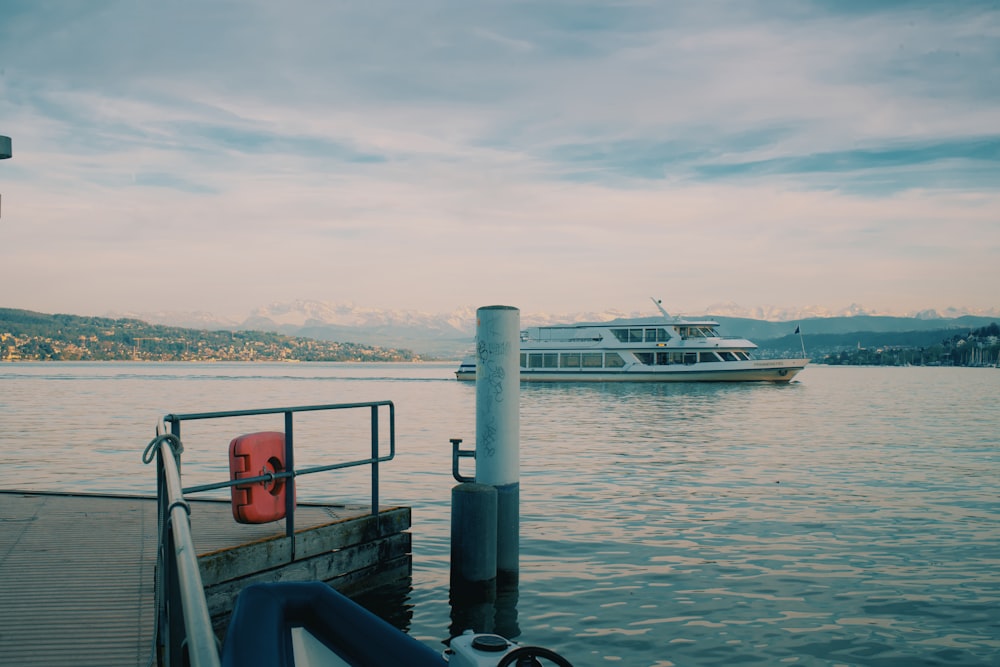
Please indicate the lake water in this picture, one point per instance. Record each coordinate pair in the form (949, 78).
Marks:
(849, 518)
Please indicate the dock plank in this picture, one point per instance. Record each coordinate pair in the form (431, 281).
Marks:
(77, 572)
(76, 580)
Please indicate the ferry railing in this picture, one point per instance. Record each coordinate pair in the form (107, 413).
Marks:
(183, 621)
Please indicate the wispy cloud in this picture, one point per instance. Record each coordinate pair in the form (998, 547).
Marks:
(555, 155)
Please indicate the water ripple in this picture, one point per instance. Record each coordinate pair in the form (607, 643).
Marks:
(850, 518)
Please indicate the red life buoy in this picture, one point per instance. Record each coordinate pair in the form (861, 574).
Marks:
(253, 455)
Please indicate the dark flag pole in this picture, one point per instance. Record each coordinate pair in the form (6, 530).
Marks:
(801, 341)
(5, 149)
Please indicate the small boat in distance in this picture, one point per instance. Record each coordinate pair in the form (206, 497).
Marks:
(657, 349)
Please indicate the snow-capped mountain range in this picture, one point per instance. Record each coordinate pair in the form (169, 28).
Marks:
(450, 333)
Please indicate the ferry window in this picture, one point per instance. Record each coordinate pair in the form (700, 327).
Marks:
(591, 359)
(570, 360)
(662, 358)
(677, 357)
(742, 355)
(613, 360)
(690, 358)
(635, 335)
(524, 360)
(657, 336)
(534, 360)
(708, 356)
(550, 360)
(727, 356)
(621, 335)
(645, 358)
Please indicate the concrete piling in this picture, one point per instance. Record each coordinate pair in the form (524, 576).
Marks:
(486, 514)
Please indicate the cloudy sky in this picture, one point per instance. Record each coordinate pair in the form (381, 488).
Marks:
(554, 156)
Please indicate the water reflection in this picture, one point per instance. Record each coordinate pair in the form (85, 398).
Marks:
(494, 613)
(391, 602)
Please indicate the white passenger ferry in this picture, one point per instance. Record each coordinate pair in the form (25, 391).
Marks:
(658, 349)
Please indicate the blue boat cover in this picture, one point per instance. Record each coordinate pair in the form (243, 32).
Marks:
(259, 630)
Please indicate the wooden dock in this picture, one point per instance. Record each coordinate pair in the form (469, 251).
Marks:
(77, 572)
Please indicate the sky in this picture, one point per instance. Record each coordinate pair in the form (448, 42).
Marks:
(553, 156)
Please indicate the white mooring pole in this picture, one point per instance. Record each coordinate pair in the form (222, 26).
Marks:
(485, 516)
(498, 386)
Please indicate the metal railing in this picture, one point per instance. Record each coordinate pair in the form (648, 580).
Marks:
(178, 580)
(184, 634)
(290, 473)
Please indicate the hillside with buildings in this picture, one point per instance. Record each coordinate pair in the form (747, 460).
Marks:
(862, 340)
(31, 336)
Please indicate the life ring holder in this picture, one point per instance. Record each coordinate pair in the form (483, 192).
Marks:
(258, 455)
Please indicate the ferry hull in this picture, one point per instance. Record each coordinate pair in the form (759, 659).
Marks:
(776, 370)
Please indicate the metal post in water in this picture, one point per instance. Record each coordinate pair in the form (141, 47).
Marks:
(473, 544)
(498, 386)
(485, 514)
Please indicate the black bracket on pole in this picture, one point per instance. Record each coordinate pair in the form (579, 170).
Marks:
(456, 454)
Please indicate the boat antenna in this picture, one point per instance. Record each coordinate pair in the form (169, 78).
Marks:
(5, 150)
(660, 308)
(798, 330)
